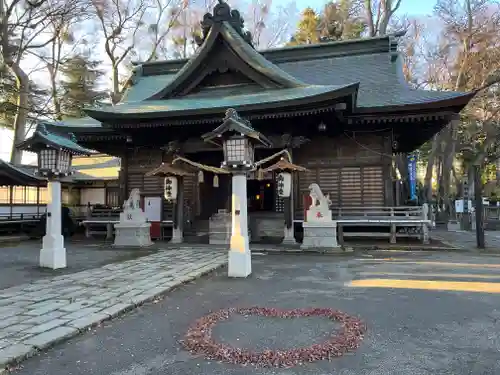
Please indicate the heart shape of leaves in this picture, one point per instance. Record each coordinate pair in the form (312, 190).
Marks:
(198, 339)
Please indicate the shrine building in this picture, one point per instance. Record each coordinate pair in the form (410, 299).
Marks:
(341, 109)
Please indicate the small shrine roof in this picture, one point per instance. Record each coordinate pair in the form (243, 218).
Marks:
(165, 169)
(284, 165)
(233, 123)
(18, 175)
(42, 136)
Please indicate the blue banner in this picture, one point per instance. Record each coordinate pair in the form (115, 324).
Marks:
(412, 176)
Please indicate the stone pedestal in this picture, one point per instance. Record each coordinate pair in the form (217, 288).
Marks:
(320, 235)
(177, 235)
(53, 252)
(219, 228)
(133, 230)
(132, 235)
(289, 238)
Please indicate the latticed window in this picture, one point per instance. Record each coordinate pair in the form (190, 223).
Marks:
(48, 158)
(236, 150)
(64, 161)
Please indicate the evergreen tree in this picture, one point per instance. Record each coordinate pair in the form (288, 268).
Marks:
(80, 85)
(9, 100)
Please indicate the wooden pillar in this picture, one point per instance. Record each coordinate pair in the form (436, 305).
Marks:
(178, 214)
(124, 177)
(11, 200)
(387, 174)
(289, 237)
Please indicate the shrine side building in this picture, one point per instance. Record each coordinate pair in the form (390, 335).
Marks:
(342, 109)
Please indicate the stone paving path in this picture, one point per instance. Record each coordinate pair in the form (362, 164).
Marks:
(36, 315)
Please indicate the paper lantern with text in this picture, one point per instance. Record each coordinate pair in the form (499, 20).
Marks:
(170, 188)
(284, 182)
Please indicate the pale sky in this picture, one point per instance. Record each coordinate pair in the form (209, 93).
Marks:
(410, 7)
(414, 7)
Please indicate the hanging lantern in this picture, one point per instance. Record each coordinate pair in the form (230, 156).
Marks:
(201, 177)
(170, 188)
(216, 181)
(260, 174)
(284, 182)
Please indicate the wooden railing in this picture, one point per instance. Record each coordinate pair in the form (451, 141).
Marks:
(410, 212)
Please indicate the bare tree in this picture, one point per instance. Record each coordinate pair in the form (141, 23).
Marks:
(23, 26)
(465, 59)
(379, 14)
(120, 22)
(163, 17)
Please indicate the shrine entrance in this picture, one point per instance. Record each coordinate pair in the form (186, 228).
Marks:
(213, 198)
(261, 195)
(214, 191)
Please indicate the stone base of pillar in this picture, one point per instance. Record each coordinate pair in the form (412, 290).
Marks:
(132, 234)
(239, 264)
(177, 236)
(53, 253)
(289, 238)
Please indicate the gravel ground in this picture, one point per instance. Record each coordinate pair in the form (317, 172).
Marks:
(19, 261)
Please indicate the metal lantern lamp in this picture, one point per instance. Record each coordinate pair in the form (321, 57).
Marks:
(54, 162)
(238, 151)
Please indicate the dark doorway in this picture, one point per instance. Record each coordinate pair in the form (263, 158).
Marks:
(260, 195)
(214, 198)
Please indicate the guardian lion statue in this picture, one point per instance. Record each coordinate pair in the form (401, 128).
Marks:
(134, 200)
(318, 199)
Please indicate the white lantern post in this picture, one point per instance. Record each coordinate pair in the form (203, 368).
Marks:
(238, 156)
(237, 138)
(54, 161)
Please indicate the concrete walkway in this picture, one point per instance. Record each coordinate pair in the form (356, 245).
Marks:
(466, 240)
(36, 315)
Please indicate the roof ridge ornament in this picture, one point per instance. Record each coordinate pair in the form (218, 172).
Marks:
(223, 13)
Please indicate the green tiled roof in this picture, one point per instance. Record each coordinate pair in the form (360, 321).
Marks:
(12, 175)
(379, 73)
(146, 87)
(381, 84)
(43, 137)
(221, 101)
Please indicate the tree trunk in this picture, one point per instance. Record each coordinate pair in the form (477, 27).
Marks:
(22, 82)
(430, 169)
(53, 93)
(369, 18)
(115, 81)
(401, 161)
(448, 158)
